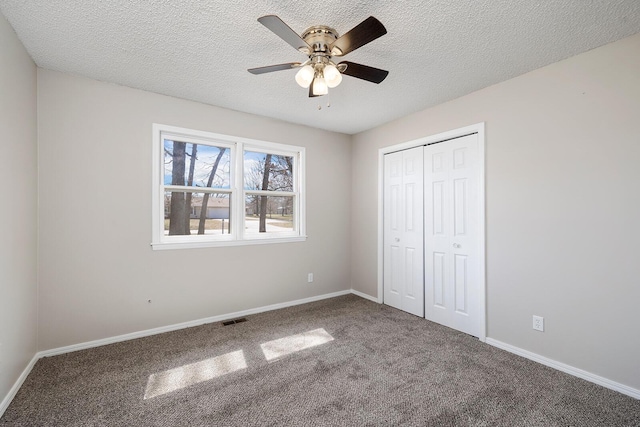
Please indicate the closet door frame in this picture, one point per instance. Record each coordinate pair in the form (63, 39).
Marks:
(478, 129)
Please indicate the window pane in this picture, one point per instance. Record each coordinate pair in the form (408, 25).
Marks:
(196, 213)
(196, 165)
(268, 214)
(268, 172)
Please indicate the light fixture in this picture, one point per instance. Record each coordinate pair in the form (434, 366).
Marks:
(319, 85)
(304, 77)
(322, 44)
(321, 77)
(332, 75)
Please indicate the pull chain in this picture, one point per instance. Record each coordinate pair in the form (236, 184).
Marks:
(320, 102)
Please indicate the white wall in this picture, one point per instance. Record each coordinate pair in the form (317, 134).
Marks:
(562, 206)
(97, 269)
(18, 175)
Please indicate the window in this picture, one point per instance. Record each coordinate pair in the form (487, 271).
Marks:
(217, 190)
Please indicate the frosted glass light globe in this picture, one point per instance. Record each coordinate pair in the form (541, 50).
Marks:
(304, 76)
(332, 75)
(320, 86)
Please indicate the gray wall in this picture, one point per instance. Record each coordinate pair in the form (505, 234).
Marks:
(97, 269)
(19, 178)
(562, 206)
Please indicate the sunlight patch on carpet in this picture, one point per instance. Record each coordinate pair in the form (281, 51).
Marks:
(194, 373)
(293, 343)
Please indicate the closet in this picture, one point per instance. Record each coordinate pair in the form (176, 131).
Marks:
(432, 233)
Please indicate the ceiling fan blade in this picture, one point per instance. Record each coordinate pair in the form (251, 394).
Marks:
(271, 68)
(363, 33)
(285, 32)
(364, 72)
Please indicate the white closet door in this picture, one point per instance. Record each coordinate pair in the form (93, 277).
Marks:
(452, 269)
(403, 230)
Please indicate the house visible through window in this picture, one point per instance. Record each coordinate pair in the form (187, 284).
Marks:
(212, 190)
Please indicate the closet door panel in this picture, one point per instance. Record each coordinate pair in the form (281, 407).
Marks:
(452, 234)
(403, 230)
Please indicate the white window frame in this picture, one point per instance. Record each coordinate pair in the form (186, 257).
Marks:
(237, 147)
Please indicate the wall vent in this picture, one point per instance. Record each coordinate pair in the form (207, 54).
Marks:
(234, 321)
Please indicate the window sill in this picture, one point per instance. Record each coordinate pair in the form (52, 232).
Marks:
(220, 243)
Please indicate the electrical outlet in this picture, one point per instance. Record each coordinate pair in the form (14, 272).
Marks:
(538, 323)
(310, 277)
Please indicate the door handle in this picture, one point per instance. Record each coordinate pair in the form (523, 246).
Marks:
(457, 246)
(397, 239)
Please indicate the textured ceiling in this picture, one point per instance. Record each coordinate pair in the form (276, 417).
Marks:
(435, 50)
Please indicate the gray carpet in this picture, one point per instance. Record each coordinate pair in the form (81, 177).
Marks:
(382, 367)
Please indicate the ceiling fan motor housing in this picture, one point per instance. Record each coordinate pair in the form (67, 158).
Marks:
(320, 37)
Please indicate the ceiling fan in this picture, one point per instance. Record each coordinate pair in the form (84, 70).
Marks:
(321, 43)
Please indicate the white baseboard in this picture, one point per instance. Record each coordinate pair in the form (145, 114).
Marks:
(175, 327)
(363, 295)
(576, 372)
(16, 386)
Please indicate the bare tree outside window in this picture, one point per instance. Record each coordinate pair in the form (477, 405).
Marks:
(177, 220)
(188, 196)
(189, 211)
(205, 199)
(271, 176)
